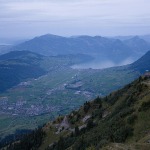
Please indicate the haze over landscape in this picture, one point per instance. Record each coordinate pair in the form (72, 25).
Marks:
(74, 74)
(67, 18)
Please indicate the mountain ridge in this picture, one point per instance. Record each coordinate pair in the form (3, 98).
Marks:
(102, 47)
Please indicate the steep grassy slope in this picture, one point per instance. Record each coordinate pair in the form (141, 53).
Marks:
(121, 117)
(120, 120)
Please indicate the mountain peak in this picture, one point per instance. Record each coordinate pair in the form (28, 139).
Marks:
(50, 36)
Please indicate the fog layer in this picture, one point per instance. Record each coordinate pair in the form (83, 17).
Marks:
(97, 64)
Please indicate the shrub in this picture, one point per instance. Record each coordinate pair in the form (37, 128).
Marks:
(97, 112)
(131, 119)
(122, 133)
(90, 124)
(86, 107)
(126, 112)
(145, 106)
(77, 131)
(102, 143)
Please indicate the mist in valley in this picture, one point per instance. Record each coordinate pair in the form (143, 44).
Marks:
(102, 64)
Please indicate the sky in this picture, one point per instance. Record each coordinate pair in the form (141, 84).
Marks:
(29, 18)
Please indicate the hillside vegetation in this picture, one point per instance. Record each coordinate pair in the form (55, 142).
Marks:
(36, 100)
(118, 121)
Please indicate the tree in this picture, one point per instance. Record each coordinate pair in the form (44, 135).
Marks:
(77, 131)
(90, 124)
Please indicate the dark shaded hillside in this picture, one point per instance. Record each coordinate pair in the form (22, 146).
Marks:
(104, 48)
(119, 120)
(18, 66)
(142, 64)
(20, 55)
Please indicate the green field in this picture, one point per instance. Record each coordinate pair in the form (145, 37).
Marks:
(49, 92)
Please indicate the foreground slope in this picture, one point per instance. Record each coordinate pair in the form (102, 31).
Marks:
(121, 117)
(120, 120)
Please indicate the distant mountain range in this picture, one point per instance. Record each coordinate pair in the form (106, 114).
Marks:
(102, 48)
(137, 45)
(144, 37)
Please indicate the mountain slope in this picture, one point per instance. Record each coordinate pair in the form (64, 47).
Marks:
(18, 66)
(104, 48)
(104, 123)
(4, 48)
(138, 45)
(121, 117)
(142, 64)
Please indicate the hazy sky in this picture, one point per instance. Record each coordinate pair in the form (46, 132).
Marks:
(28, 18)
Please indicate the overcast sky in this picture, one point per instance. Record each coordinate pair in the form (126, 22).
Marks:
(29, 18)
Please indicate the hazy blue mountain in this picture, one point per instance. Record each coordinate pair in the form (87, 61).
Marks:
(103, 48)
(122, 38)
(11, 40)
(20, 55)
(112, 49)
(146, 38)
(138, 45)
(4, 48)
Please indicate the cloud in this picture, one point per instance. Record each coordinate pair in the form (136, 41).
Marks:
(107, 17)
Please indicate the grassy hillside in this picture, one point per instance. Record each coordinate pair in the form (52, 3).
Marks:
(120, 120)
(36, 101)
(121, 117)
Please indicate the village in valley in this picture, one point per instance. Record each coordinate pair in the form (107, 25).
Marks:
(21, 106)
